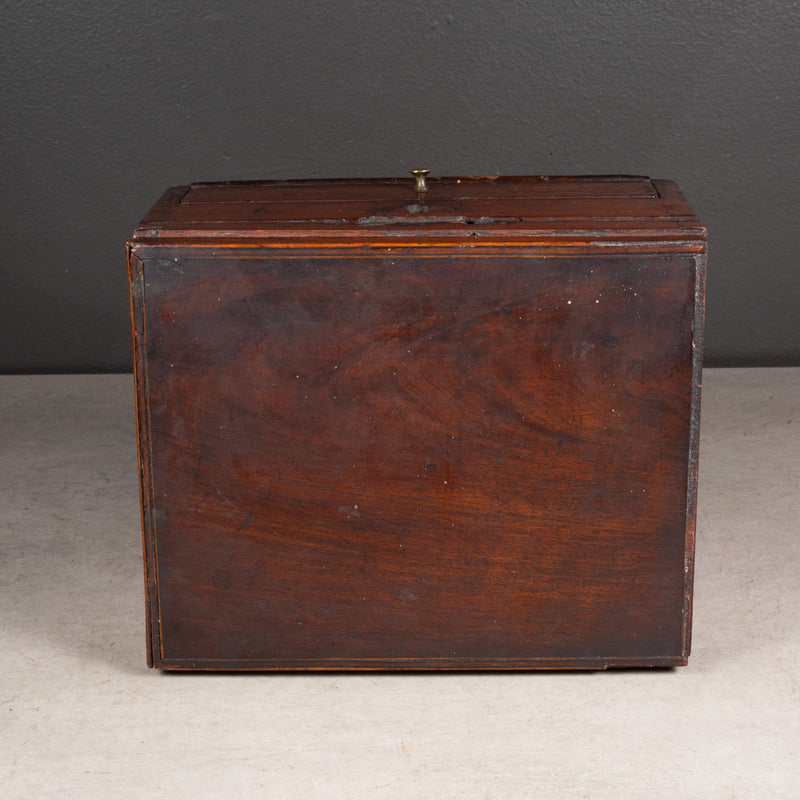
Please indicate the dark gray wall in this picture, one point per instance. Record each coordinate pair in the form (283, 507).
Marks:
(107, 103)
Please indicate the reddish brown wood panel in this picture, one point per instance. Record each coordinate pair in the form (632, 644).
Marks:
(589, 212)
(451, 189)
(396, 460)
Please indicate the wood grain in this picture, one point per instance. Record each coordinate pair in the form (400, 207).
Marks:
(393, 457)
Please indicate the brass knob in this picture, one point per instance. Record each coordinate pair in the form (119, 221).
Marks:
(419, 175)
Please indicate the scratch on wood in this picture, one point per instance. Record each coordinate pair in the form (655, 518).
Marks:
(244, 522)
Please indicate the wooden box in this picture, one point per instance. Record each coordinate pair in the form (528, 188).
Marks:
(418, 424)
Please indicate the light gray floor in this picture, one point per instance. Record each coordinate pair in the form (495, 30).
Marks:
(81, 716)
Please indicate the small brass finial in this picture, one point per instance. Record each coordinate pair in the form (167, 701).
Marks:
(420, 174)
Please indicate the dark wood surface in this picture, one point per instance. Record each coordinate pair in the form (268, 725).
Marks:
(566, 209)
(417, 457)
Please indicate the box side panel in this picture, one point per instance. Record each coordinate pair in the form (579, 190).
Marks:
(441, 461)
(136, 280)
(698, 330)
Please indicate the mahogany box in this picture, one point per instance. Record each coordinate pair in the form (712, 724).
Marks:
(421, 423)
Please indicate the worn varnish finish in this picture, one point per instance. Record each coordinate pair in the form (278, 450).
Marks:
(446, 431)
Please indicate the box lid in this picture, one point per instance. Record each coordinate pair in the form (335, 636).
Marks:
(551, 209)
